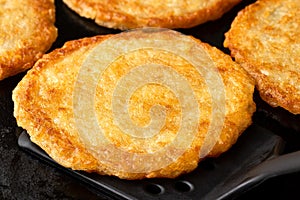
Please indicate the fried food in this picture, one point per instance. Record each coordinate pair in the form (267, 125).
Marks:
(155, 13)
(264, 39)
(27, 31)
(152, 88)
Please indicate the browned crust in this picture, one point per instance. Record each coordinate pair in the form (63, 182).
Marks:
(32, 111)
(109, 15)
(262, 40)
(27, 32)
(69, 151)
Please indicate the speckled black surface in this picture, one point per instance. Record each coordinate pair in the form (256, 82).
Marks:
(23, 176)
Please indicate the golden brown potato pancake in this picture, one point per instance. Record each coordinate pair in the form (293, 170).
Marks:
(131, 14)
(26, 32)
(47, 104)
(264, 39)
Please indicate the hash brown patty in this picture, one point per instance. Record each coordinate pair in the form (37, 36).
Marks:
(44, 106)
(131, 14)
(265, 40)
(27, 31)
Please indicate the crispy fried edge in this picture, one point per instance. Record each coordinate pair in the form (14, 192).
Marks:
(267, 89)
(118, 20)
(21, 59)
